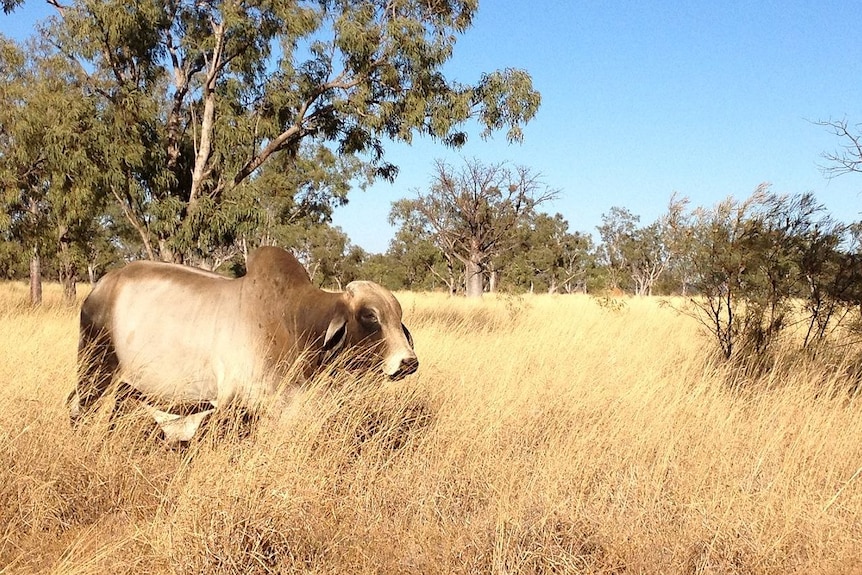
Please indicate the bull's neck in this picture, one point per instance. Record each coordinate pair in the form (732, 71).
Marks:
(304, 312)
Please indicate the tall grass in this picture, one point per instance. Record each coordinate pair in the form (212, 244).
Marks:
(541, 435)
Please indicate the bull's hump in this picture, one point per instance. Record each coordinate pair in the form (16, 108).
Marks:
(277, 264)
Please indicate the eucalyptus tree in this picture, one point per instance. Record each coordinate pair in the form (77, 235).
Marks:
(301, 190)
(384, 270)
(50, 150)
(548, 256)
(636, 256)
(617, 233)
(414, 253)
(197, 96)
(649, 256)
(326, 253)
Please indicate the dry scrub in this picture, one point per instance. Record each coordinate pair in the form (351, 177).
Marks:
(540, 435)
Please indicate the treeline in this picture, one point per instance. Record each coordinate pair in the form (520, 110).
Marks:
(755, 272)
(752, 269)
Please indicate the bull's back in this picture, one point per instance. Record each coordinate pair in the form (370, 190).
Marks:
(179, 333)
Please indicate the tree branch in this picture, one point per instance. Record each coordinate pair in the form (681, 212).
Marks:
(202, 169)
(135, 223)
(850, 158)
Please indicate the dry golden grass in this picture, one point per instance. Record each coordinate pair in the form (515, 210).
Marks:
(541, 435)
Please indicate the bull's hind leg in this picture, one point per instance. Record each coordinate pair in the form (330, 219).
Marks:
(97, 366)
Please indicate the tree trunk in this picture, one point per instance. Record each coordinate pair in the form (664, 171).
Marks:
(492, 282)
(450, 267)
(473, 279)
(35, 278)
(70, 287)
(91, 273)
(202, 168)
(68, 273)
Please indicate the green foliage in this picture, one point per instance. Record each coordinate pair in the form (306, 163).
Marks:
(648, 256)
(413, 256)
(326, 253)
(307, 187)
(752, 260)
(383, 269)
(51, 146)
(13, 261)
(547, 257)
(617, 234)
(636, 257)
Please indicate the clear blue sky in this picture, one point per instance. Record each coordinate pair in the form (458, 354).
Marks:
(644, 99)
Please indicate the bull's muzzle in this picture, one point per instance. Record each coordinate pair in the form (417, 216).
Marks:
(407, 366)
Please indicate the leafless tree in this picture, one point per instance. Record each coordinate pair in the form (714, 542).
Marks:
(473, 211)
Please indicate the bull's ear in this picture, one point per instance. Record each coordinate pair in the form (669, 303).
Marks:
(335, 334)
(407, 334)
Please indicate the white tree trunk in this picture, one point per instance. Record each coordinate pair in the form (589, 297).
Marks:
(473, 272)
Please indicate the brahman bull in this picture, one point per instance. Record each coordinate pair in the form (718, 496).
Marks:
(176, 335)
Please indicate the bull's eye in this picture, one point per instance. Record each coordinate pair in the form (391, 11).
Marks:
(368, 318)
